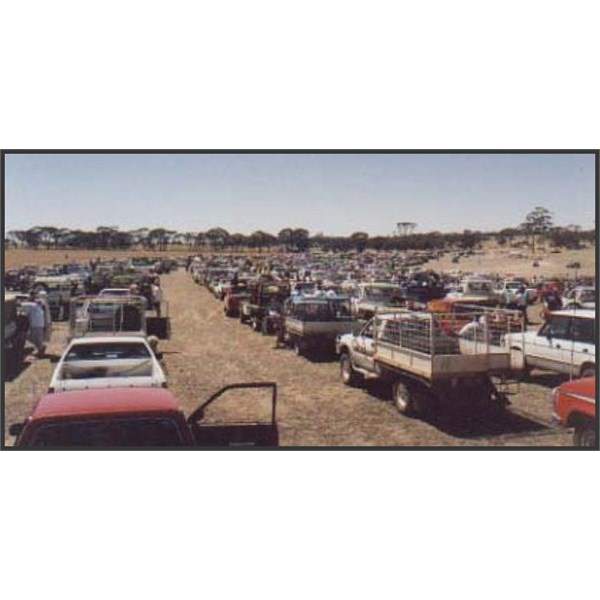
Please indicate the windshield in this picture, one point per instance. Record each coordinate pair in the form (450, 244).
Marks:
(110, 432)
(107, 351)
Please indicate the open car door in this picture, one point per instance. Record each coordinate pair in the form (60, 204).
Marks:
(228, 431)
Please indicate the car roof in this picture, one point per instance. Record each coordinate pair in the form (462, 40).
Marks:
(105, 401)
(102, 339)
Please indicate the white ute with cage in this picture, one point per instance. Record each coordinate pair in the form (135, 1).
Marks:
(433, 357)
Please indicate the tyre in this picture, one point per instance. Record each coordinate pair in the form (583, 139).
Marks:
(588, 371)
(347, 373)
(585, 435)
(403, 396)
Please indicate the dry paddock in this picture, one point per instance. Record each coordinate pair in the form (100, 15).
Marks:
(208, 351)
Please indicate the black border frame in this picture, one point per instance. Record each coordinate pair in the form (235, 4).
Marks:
(595, 153)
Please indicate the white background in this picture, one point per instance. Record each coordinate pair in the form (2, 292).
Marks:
(117, 74)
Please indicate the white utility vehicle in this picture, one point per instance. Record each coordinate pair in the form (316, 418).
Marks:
(566, 343)
(105, 362)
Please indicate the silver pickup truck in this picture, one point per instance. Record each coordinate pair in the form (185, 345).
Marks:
(311, 324)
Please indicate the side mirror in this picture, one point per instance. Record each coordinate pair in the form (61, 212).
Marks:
(15, 429)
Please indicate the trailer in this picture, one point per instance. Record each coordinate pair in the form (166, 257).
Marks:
(428, 358)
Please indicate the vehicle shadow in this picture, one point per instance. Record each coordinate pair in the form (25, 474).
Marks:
(467, 420)
(11, 372)
(546, 379)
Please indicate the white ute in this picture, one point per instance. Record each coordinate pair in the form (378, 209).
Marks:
(107, 361)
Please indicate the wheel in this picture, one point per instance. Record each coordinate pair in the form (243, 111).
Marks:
(347, 372)
(585, 436)
(403, 397)
(588, 371)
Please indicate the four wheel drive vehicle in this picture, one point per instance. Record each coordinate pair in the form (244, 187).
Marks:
(373, 296)
(566, 343)
(580, 297)
(266, 297)
(234, 297)
(107, 361)
(130, 417)
(117, 315)
(508, 293)
(59, 291)
(15, 332)
(423, 363)
(312, 324)
(475, 288)
(575, 406)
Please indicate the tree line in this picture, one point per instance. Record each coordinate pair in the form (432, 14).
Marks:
(537, 229)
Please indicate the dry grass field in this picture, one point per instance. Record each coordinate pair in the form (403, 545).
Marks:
(208, 351)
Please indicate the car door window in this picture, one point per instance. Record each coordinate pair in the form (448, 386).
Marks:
(557, 328)
(583, 330)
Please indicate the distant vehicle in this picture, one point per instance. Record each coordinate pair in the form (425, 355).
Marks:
(107, 361)
(575, 406)
(508, 293)
(566, 343)
(132, 417)
(312, 324)
(580, 297)
(371, 297)
(115, 292)
(473, 288)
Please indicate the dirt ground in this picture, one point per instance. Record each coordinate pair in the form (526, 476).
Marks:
(208, 351)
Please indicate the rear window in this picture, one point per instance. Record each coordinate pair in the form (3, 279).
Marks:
(107, 351)
(557, 327)
(109, 433)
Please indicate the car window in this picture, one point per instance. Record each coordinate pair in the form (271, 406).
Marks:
(583, 330)
(110, 432)
(556, 327)
(107, 351)
(367, 330)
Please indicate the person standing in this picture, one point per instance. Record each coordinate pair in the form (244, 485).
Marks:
(157, 296)
(37, 326)
(522, 303)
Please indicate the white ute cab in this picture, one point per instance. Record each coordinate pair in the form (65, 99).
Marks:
(566, 343)
(107, 361)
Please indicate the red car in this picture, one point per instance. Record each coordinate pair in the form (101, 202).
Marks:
(138, 417)
(575, 406)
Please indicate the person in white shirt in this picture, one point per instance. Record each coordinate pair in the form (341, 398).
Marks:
(37, 326)
(157, 297)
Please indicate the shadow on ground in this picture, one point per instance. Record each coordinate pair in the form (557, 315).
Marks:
(469, 420)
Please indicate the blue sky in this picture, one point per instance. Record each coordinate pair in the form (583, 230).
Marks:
(334, 194)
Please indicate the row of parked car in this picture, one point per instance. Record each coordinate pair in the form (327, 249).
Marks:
(109, 388)
(451, 347)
